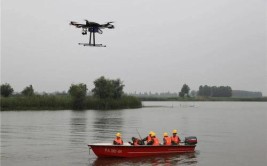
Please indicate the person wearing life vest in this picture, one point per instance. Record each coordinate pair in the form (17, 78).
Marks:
(136, 142)
(118, 140)
(175, 140)
(154, 140)
(148, 138)
(166, 139)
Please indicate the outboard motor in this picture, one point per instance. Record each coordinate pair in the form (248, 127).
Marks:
(192, 140)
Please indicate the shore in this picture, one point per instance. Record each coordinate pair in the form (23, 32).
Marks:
(261, 99)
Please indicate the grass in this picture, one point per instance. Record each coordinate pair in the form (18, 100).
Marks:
(63, 102)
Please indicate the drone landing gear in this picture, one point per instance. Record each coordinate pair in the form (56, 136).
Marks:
(90, 43)
(93, 45)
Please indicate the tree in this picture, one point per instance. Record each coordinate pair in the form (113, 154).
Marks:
(117, 88)
(184, 91)
(78, 93)
(105, 88)
(28, 91)
(6, 90)
(222, 91)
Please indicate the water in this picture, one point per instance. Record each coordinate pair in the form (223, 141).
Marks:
(229, 133)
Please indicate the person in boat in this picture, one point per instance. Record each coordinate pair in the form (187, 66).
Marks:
(166, 139)
(136, 142)
(154, 140)
(118, 140)
(148, 138)
(175, 140)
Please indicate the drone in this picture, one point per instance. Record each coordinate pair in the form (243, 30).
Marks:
(93, 28)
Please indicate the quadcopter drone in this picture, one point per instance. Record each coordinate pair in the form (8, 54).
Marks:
(93, 28)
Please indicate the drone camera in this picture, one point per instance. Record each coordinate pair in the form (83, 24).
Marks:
(84, 31)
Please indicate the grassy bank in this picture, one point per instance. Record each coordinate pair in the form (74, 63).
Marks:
(262, 99)
(63, 102)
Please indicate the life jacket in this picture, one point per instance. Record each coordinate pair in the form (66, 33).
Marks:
(156, 141)
(175, 139)
(148, 138)
(118, 141)
(168, 140)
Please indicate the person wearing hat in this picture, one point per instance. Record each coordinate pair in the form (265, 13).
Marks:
(154, 140)
(148, 138)
(118, 140)
(136, 142)
(166, 139)
(175, 140)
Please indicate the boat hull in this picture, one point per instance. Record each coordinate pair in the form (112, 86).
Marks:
(139, 151)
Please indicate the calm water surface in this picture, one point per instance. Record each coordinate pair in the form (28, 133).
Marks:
(229, 133)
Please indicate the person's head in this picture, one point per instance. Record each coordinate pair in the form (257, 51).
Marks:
(165, 134)
(174, 132)
(153, 134)
(150, 133)
(118, 135)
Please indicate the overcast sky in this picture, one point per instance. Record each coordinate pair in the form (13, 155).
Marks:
(157, 45)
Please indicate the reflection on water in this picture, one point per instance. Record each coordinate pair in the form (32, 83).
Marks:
(78, 126)
(164, 160)
(106, 124)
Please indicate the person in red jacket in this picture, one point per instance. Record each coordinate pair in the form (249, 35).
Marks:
(118, 140)
(154, 140)
(166, 139)
(175, 140)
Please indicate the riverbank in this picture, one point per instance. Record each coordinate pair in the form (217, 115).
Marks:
(65, 102)
(261, 99)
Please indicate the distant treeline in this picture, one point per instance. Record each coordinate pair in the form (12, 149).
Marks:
(242, 93)
(107, 94)
(214, 91)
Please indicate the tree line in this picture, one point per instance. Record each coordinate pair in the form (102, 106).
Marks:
(214, 91)
(106, 92)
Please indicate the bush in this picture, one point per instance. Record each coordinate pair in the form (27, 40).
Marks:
(6, 90)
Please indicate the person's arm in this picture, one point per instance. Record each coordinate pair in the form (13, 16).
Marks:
(144, 139)
(164, 141)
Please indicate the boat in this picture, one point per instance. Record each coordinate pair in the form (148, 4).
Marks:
(127, 150)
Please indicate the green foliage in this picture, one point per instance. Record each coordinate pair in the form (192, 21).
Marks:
(222, 91)
(63, 102)
(28, 91)
(184, 91)
(105, 88)
(6, 90)
(78, 93)
(36, 102)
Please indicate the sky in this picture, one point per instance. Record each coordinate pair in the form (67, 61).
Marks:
(156, 46)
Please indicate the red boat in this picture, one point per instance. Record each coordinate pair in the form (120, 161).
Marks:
(127, 150)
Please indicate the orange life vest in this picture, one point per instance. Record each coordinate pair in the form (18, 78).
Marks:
(148, 138)
(119, 141)
(175, 139)
(168, 140)
(156, 141)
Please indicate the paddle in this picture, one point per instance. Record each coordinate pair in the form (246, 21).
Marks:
(139, 134)
(142, 142)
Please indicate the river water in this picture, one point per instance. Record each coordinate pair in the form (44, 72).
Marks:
(229, 133)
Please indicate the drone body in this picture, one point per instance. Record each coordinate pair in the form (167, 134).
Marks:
(92, 28)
